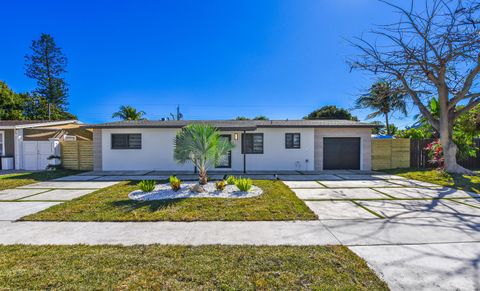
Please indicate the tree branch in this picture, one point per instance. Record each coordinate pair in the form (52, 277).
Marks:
(470, 105)
(416, 99)
(466, 85)
(414, 25)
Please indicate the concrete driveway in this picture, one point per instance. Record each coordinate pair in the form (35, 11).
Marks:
(29, 199)
(415, 235)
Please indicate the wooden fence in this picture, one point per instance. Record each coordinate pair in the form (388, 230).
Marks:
(419, 157)
(77, 155)
(390, 153)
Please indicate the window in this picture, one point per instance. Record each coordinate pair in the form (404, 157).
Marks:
(2, 143)
(292, 140)
(252, 143)
(126, 141)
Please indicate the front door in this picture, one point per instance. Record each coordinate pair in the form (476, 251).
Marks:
(226, 161)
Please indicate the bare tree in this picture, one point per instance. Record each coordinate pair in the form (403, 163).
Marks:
(434, 49)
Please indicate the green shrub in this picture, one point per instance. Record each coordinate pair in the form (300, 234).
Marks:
(175, 183)
(147, 185)
(231, 180)
(220, 185)
(243, 184)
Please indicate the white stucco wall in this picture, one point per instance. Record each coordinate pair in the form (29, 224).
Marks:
(276, 157)
(157, 151)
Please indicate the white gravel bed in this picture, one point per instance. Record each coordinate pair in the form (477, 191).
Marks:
(163, 191)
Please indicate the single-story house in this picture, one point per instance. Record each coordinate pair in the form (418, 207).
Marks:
(27, 144)
(260, 145)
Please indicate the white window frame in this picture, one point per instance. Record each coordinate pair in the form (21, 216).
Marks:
(2, 132)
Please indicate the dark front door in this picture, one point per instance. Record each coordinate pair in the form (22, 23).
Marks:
(226, 162)
(341, 153)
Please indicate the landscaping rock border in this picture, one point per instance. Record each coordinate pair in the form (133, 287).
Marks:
(163, 191)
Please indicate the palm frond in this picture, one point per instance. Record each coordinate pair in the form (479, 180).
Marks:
(201, 144)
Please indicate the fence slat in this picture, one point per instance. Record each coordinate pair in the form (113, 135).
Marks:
(390, 153)
(77, 155)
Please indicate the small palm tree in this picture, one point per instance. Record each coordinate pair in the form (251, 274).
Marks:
(127, 112)
(202, 145)
(384, 98)
(433, 107)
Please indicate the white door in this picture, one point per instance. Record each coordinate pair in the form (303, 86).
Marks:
(36, 153)
(30, 155)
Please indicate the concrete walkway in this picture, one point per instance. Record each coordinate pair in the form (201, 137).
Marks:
(356, 232)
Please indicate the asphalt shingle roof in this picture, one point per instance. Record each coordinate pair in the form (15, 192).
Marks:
(232, 124)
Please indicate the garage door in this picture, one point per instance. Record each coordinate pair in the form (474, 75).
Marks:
(35, 154)
(341, 153)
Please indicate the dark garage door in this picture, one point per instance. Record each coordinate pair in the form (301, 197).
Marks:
(341, 153)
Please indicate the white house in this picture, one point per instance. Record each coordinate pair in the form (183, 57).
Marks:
(273, 145)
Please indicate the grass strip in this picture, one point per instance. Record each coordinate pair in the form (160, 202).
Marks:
(367, 209)
(158, 267)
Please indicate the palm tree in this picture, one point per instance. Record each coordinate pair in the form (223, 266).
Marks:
(127, 112)
(385, 98)
(202, 145)
(433, 107)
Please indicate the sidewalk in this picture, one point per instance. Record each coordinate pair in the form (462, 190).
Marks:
(347, 232)
(186, 233)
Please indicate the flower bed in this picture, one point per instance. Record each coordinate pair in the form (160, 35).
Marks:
(164, 191)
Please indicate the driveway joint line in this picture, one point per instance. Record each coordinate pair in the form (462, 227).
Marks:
(321, 184)
(331, 232)
(367, 209)
(464, 203)
(375, 189)
(43, 192)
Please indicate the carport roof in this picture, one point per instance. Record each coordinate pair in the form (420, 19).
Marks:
(8, 124)
(235, 124)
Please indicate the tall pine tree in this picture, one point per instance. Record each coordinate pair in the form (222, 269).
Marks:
(47, 65)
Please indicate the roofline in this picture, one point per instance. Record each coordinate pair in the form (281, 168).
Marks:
(318, 126)
(222, 128)
(33, 125)
(240, 128)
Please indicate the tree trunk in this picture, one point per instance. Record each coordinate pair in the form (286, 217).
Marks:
(202, 177)
(446, 133)
(386, 123)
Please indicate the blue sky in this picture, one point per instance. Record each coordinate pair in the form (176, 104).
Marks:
(217, 59)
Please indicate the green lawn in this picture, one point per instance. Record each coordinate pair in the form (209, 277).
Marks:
(277, 202)
(184, 268)
(10, 181)
(463, 182)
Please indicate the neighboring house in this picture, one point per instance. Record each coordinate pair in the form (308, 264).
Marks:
(30, 142)
(259, 145)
